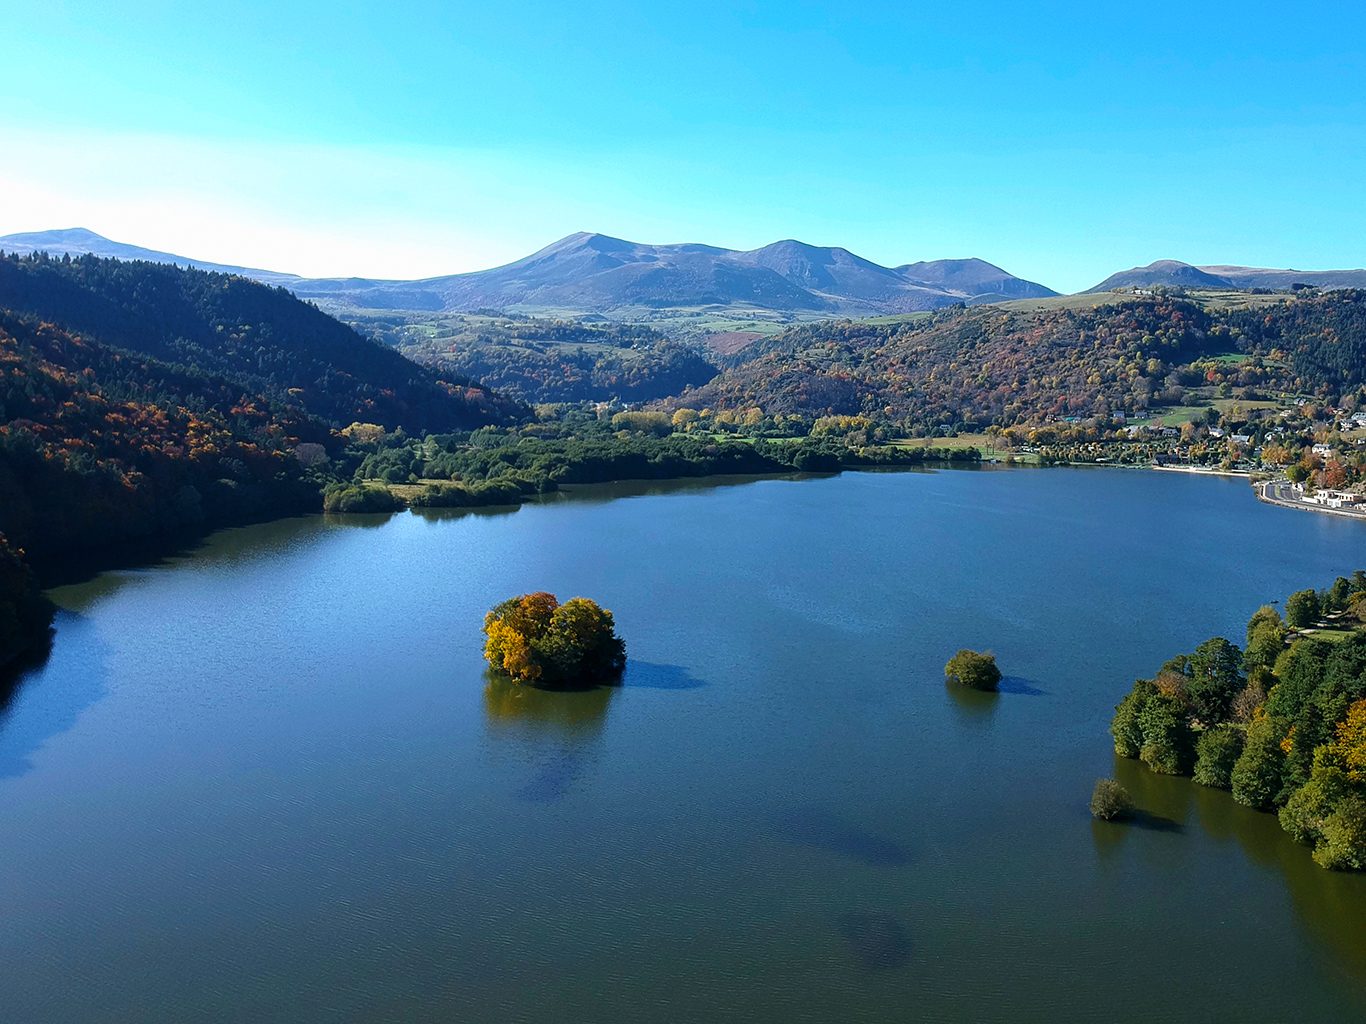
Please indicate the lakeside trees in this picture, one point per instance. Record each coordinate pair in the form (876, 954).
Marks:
(1288, 736)
(24, 613)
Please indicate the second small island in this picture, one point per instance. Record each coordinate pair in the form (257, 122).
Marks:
(973, 669)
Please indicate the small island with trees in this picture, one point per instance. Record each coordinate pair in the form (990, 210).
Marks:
(1281, 723)
(973, 669)
(536, 640)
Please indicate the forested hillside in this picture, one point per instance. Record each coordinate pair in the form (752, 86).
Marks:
(546, 360)
(100, 445)
(975, 367)
(140, 400)
(261, 339)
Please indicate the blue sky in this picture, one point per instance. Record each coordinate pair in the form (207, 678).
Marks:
(1062, 141)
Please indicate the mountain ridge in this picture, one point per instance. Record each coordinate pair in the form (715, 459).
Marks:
(593, 273)
(1174, 273)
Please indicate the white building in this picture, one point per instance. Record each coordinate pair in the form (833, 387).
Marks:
(1330, 498)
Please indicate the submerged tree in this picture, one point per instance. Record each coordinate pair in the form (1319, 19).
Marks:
(1110, 800)
(974, 670)
(535, 639)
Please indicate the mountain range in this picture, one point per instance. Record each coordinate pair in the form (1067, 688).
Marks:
(1174, 273)
(596, 273)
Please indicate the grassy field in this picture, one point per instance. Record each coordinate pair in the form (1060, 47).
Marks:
(897, 318)
(983, 443)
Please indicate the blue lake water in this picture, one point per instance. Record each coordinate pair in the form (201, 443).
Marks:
(270, 780)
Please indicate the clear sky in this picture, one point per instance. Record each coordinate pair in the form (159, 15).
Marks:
(1062, 141)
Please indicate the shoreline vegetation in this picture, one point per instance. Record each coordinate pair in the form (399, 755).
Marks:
(1281, 723)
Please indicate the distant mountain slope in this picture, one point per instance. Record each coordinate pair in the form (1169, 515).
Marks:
(80, 241)
(598, 273)
(1171, 273)
(1258, 277)
(1174, 273)
(594, 273)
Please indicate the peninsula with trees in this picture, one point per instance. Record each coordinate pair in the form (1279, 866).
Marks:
(1281, 722)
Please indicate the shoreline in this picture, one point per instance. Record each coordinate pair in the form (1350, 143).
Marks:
(1202, 471)
(1304, 506)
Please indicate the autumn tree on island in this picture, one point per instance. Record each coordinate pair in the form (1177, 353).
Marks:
(535, 639)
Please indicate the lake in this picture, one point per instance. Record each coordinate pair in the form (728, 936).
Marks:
(270, 781)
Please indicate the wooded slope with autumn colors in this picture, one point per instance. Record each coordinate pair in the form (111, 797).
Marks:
(972, 368)
(141, 400)
(262, 339)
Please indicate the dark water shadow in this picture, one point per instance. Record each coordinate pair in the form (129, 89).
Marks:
(811, 826)
(552, 781)
(879, 942)
(599, 494)
(1166, 797)
(647, 675)
(1108, 836)
(1139, 818)
(446, 515)
(1328, 905)
(358, 520)
(62, 569)
(44, 695)
(1014, 684)
(971, 707)
(24, 665)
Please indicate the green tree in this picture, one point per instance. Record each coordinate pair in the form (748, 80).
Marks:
(1256, 777)
(1343, 846)
(1262, 616)
(1305, 813)
(1265, 638)
(1302, 609)
(1168, 745)
(1124, 726)
(1299, 671)
(1216, 675)
(974, 670)
(1110, 800)
(1217, 752)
